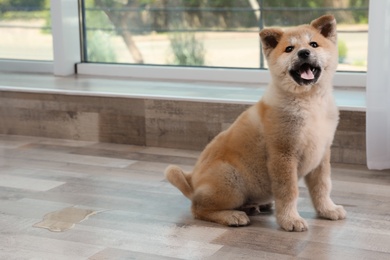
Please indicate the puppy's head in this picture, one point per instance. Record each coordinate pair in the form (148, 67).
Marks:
(303, 56)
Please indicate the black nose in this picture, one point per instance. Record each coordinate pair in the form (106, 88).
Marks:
(304, 54)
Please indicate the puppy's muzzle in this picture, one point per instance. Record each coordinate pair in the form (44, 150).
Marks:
(305, 71)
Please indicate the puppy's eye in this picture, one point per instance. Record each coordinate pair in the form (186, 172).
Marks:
(289, 49)
(314, 44)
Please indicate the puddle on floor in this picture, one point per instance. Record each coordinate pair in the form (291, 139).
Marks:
(64, 219)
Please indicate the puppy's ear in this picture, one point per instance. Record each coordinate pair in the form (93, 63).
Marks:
(270, 38)
(326, 25)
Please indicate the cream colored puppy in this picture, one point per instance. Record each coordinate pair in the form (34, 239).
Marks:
(285, 136)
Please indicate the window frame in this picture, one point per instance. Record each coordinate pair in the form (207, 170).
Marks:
(246, 76)
(67, 53)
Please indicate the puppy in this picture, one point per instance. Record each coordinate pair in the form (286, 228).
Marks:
(285, 136)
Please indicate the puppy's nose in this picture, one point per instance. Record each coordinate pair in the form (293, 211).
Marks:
(304, 54)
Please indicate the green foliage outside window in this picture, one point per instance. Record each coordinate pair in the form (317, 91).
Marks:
(99, 48)
(187, 50)
(22, 9)
(343, 50)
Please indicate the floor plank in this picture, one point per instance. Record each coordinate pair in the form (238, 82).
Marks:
(139, 215)
(27, 183)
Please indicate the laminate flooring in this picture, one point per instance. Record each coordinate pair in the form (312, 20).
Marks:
(62, 199)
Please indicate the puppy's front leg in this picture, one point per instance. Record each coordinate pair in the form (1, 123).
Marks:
(284, 179)
(319, 185)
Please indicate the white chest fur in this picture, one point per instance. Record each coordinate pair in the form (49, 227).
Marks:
(316, 135)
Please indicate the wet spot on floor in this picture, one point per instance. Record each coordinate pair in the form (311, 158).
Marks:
(64, 219)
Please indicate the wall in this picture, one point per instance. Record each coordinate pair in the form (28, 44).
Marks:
(147, 122)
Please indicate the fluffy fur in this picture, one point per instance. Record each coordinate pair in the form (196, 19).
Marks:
(285, 136)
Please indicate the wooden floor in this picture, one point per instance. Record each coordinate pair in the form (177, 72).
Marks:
(135, 214)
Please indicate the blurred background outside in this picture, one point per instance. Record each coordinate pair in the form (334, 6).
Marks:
(210, 33)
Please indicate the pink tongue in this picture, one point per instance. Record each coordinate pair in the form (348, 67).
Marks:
(307, 74)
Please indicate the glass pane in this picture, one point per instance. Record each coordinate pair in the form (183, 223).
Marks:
(213, 33)
(25, 30)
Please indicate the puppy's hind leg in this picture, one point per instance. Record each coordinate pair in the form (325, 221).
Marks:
(232, 218)
(212, 204)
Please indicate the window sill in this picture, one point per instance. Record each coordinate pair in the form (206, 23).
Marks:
(347, 99)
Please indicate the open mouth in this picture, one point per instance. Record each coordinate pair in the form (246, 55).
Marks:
(305, 73)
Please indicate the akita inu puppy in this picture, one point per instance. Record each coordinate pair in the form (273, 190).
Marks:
(285, 136)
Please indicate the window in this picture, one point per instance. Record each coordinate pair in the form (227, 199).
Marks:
(25, 30)
(212, 40)
(211, 33)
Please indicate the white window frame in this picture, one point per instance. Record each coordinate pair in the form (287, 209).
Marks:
(67, 59)
(251, 76)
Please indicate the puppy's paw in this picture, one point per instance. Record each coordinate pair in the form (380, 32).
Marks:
(237, 219)
(297, 224)
(336, 212)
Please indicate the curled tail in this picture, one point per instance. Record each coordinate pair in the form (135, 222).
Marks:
(179, 179)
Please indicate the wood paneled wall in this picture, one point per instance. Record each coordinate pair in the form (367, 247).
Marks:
(147, 122)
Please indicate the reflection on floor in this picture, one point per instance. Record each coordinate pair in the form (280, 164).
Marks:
(115, 203)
